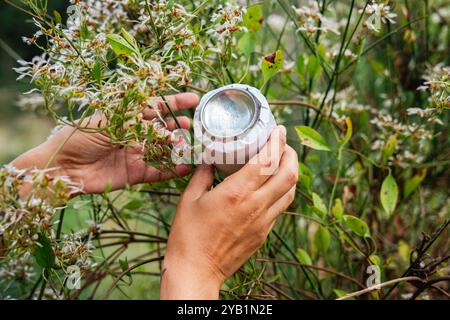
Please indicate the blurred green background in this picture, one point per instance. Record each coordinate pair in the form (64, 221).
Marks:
(19, 130)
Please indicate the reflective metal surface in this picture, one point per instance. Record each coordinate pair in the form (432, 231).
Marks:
(232, 123)
(229, 113)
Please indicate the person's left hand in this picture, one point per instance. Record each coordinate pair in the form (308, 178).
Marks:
(94, 161)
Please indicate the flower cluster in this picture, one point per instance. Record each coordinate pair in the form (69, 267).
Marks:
(75, 250)
(310, 20)
(84, 68)
(115, 57)
(437, 83)
(225, 23)
(411, 140)
(377, 14)
(29, 200)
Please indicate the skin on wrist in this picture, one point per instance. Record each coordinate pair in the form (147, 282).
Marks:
(181, 280)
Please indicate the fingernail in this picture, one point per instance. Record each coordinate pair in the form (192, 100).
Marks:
(184, 169)
(282, 129)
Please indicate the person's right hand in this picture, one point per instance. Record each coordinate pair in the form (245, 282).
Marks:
(215, 231)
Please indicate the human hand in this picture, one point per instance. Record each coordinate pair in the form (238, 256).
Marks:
(94, 161)
(215, 231)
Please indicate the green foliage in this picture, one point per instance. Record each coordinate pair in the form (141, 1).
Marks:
(45, 257)
(348, 88)
(253, 18)
(247, 43)
(413, 183)
(303, 257)
(311, 138)
(322, 240)
(271, 64)
(356, 225)
(389, 194)
(120, 45)
(319, 206)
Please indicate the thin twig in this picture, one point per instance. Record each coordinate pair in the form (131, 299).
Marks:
(108, 292)
(379, 286)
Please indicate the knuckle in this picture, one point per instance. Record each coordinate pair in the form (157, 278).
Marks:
(234, 197)
(266, 164)
(292, 177)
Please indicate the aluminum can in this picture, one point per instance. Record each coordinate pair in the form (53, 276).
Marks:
(232, 123)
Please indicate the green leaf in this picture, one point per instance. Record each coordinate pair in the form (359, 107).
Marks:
(341, 293)
(412, 184)
(404, 250)
(84, 32)
(247, 44)
(303, 257)
(97, 72)
(389, 147)
(389, 194)
(356, 225)
(120, 45)
(130, 39)
(311, 138)
(133, 205)
(253, 18)
(313, 67)
(43, 253)
(300, 67)
(305, 176)
(319, 205)
(57, 16)
(322, 51)
(124, 266)
(322, 239)
(170, 4)
(271, 64)
(375, 259)
(337, 209)
(348, 133)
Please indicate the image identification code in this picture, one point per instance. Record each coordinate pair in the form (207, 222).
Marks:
(226, 309)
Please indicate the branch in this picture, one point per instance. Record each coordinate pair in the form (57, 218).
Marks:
(339, 274)
(295, 103)
(379, 286)
(108, 292)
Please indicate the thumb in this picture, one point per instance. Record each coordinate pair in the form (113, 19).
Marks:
(201, 182)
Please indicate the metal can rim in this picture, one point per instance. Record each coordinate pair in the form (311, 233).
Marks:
(214, 93)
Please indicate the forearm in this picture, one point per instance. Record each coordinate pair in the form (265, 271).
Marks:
(183, 281)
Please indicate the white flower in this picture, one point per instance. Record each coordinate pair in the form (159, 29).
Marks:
(227, 21)
(378, 13)
(309, 17)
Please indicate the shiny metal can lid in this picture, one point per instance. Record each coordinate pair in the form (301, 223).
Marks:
(232, 123)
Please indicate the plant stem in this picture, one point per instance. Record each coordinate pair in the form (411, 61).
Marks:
(292, 253)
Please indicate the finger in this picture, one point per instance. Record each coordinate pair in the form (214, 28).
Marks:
(154, 175)
(176, 102)
(282, 181)
(200, 183)
(255, 173)
(281, 204)
(184, 122)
